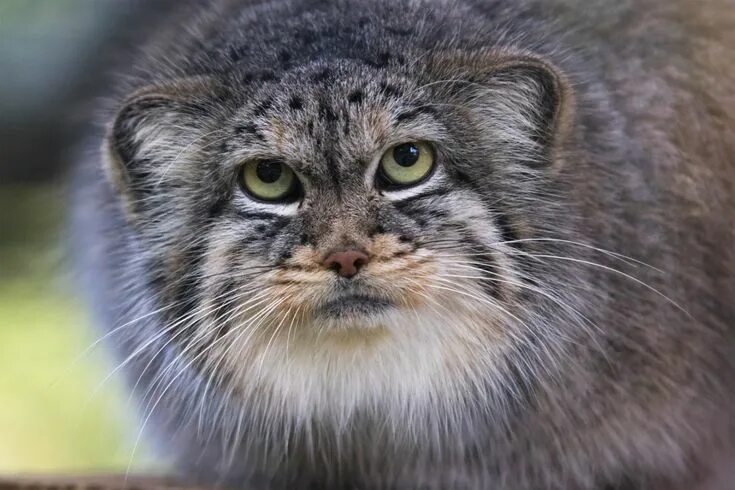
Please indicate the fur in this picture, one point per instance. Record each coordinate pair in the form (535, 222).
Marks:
(560, 292)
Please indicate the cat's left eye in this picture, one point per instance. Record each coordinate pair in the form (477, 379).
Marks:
(405, 165)
(269, 180)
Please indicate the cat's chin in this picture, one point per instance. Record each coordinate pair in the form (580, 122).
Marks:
(353, 307)
(354, 311)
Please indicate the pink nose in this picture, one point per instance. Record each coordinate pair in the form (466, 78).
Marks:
(346, 263)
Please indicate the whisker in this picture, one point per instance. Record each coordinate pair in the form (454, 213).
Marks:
(140, 349)
(267, 347)
(615, 271)
(193, 343)
(589, 263)
(610, 253)
(529, 331)
(202, 312)
(579, 318)
(163, 392)
(625, 258)
(159, 310)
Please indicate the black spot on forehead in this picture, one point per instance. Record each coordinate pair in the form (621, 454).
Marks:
(267, 76)
(326, 113)
(249, 129)
(323, 75)
(356, 97)
(390, 90)
(245, 128)
(296, 103)
(333, 173)
(262, 107)
(380, 61)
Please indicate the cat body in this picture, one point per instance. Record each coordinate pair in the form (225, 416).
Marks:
(551, 306)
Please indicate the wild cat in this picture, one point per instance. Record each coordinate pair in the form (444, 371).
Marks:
(425, 243)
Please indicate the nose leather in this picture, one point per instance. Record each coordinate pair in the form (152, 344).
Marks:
(347, 263)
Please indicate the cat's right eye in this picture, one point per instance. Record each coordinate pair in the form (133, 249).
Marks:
(405, 165)
(270, 181)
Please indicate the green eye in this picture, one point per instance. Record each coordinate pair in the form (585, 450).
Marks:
(406, 164)
(269, 180)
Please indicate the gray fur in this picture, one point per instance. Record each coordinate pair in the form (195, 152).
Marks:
(572, 137)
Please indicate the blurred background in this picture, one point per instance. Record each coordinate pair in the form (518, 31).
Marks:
(58, 410)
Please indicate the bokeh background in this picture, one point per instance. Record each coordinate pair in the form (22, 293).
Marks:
(59, 409)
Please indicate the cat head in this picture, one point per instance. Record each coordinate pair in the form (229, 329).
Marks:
(363, 225)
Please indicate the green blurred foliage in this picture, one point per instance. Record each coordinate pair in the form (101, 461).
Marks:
(52, 416)
(55, 415)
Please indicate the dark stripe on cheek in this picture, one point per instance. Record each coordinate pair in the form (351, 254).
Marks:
(185, 290)
(461, 178)
(275, 219)
(218, 205)
(484, 260)
(284, 255)
(264, 232)
(507, 231)
(404, 203)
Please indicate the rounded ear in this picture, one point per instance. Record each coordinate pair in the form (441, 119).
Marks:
(523, 98)
(150, 132)
(549, 93)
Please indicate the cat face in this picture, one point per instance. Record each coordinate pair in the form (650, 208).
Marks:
(344, 232)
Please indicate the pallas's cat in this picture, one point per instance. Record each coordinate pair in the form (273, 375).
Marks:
(424, 244)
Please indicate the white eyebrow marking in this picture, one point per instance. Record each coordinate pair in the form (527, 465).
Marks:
(280, 209)
(399, 194)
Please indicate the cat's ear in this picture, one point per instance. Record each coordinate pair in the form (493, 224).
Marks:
(151, 132)
(524, 102)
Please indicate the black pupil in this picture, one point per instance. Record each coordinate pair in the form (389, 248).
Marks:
(269, 172)
(406, 155)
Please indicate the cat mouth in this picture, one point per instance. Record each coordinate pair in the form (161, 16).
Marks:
(354, 306)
